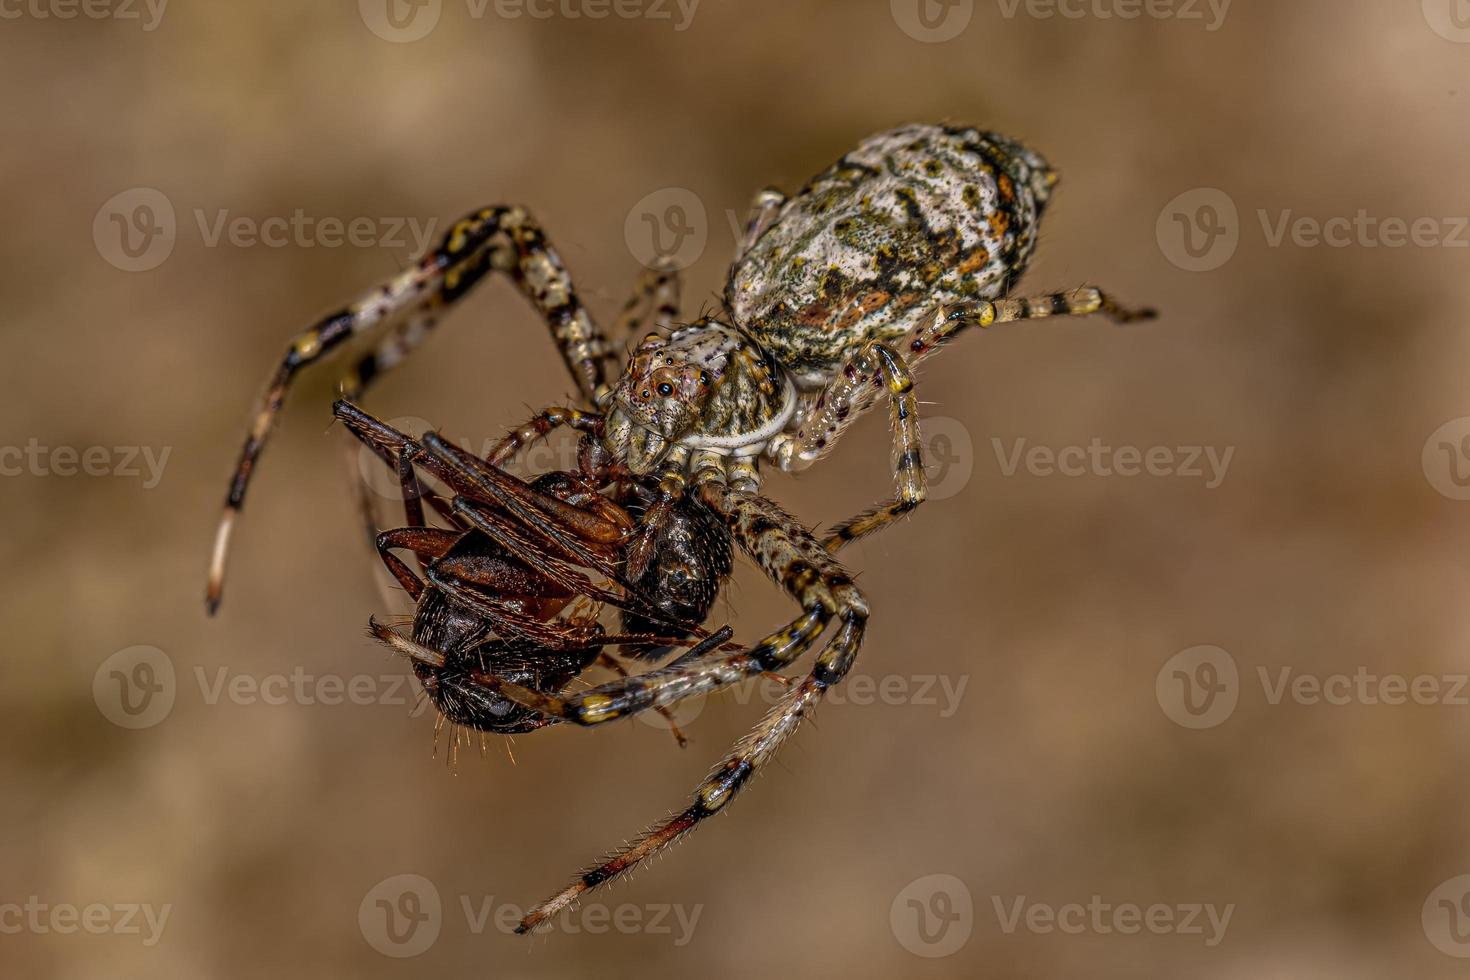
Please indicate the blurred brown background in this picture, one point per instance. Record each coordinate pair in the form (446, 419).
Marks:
(1334, 834)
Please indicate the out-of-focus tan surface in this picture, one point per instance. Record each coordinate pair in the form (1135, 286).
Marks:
(1332, 834)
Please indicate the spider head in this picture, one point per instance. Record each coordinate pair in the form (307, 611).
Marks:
(659, 399)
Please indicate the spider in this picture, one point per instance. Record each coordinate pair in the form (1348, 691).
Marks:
(836, 294)
(501, 576)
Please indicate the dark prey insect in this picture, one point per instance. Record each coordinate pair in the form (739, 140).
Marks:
(493, 586)
(836, 294)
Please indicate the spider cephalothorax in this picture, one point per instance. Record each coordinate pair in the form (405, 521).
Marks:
(705, 386)
(835, 295)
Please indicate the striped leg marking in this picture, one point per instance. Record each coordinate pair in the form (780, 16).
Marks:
(861, 382)
(539, 427)
(504, 239)
(763, 210)
(788, 553)
(858, 384)
(655, 302)
(948, 321)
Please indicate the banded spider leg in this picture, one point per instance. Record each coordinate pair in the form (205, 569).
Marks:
(502, 239)
(878, 367)
(791, 556)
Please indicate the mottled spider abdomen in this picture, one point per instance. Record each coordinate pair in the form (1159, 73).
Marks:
(914, 217)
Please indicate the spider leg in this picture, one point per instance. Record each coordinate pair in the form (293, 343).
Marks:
(861, 381)
(612, 663)
(789, 554)
(873, 367)
(923, 341)
(763, 210)
(501, 238)
(539, 427)
(401, 341)
(656, 294)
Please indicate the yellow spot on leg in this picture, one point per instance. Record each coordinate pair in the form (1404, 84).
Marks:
(308, 344)
(597, 708)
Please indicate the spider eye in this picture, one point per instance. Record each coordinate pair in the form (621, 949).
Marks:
(704, 377)
(645, 392)
(666, 389)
